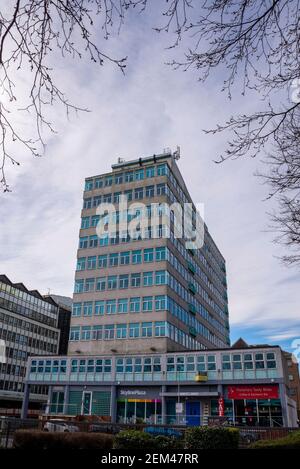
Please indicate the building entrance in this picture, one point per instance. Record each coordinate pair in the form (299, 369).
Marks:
(193, 413)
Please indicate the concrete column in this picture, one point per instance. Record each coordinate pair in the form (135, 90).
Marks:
(25, 402)
(49, 399)
(283, 400)
(113, 403)
(163, 406)
(66, 409)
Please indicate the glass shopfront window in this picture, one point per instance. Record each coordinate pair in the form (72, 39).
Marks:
(250, 412)
(139, 411)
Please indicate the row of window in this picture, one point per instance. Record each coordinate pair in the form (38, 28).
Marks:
(187, 318)
(134, 331)
(146, 364)
(160, 231)
(18, 354)
(94, 241)
(122, 258)
(48, 366)
(189, 258)
(147, 304)
(190, 277)
(248, 361)
(20, 339)
(119, 331)
(114, 282)
(9, 303)
(27, 299)
(115, 238)
(12, 370)
(189, 294)
(128, 176)
(146, 279)
(120, 306)
(151, 171)
(134, 212)
(147, 255)
(138, 193)
(26, 326)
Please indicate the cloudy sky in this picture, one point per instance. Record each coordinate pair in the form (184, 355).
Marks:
(136, 115)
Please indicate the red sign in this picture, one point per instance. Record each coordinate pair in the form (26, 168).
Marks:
(253, 392)
(221, 406)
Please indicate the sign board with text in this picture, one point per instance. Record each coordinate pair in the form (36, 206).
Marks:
(179, 407)
(253, 392)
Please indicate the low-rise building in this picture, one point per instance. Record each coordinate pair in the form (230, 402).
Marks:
(244, 385)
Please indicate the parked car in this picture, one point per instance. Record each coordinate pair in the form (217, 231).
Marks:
(56, 425)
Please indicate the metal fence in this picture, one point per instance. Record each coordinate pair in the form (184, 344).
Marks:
(248, 435)
(8, 426)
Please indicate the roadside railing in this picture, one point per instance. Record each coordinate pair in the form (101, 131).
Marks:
(8, 426)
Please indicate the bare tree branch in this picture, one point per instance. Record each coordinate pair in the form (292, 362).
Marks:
(29, 32)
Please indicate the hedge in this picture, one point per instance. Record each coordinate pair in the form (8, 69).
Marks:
(34, 440)
(291, 441)
(134, 439)
(169, 443)
(198, 438)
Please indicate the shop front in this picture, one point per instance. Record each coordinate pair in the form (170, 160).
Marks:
(139, 405)
(250, 406)
(145, 405)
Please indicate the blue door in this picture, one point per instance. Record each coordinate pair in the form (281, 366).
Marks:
(192, 413)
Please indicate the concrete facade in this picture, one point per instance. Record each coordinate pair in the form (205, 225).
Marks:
(175, 298)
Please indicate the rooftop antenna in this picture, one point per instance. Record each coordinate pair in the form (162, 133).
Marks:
(176, 153)
(121, 160)
(167, 151)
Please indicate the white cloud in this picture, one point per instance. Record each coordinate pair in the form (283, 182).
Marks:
(137, 115)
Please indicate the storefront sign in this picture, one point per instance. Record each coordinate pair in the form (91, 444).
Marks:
(221, 406)
(139, 394)
(179, 407)
(253, 392)
(132, 392)
(139, 400)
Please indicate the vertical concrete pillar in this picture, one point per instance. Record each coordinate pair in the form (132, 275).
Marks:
(163, 405)
(25, 403)
(66, 410)
(49, 399)
(113, 403)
